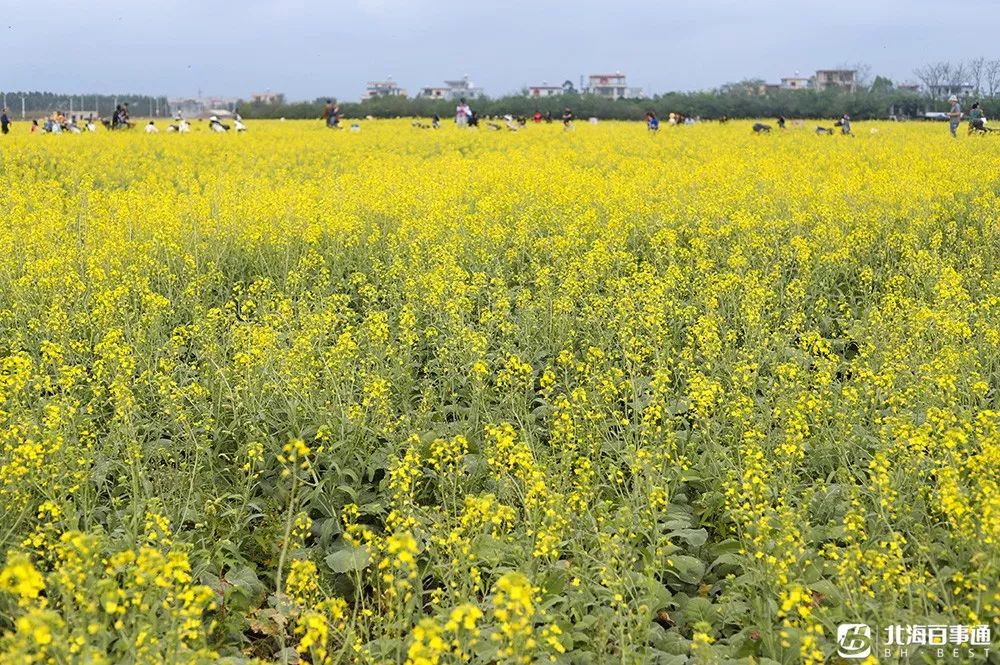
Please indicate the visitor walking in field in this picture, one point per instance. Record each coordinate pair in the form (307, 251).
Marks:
(652, 123)
(954, 116)
(4, 122)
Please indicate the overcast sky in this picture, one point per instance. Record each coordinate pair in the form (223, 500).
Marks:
(308, 48)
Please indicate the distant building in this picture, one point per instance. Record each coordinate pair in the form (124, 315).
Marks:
(462, 88)
(267, 98)
(387, 88)
(545, 90)
(909, 87)
(796, 83)
(188, 108)
(945, 90)
(611, 86)
(202, 107)
(218, 103)
(435, 93)
(846, 79)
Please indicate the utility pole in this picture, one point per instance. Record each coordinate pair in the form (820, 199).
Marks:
(22, 107)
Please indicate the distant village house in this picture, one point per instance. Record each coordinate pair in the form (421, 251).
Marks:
(267, 98)
(387, 88)
(611, 86)
(945, 90)
(796, 83)
(545, 90)
(845, 79)
(453, 90)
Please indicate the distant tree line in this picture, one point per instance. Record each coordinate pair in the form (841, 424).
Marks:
(43, 103)
(734, 101)
(978, 78)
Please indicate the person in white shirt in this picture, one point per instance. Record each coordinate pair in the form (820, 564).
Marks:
(151, 128)
(217, 125)
(180, 125)
(462, 113)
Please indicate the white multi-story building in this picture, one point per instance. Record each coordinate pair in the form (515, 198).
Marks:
(386, 88)
(796, 83)
(460, 89)
(545, 90)
(611, 86)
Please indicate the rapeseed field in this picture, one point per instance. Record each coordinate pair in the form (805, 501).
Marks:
(423, 396)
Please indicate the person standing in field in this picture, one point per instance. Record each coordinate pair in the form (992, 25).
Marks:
(954, 116)
(652, 124)
(331, 113)
(462, 113)
(845, 125)
(4, 122)
(567, 118)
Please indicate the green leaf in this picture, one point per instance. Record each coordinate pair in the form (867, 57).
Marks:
(348, 559)
(727, 559)
(700, 609)
(687, 569)
(245, 579)
(489, 550)
(693, 537)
